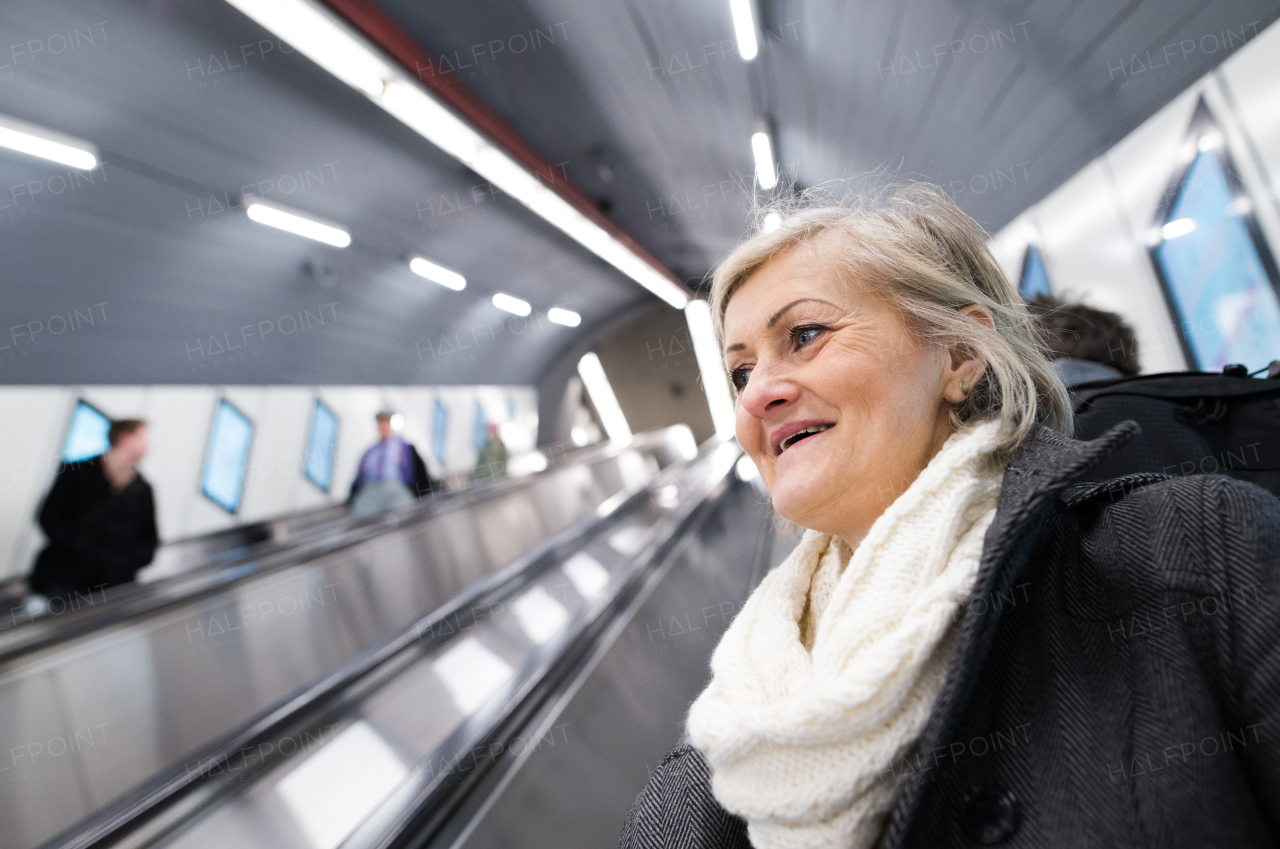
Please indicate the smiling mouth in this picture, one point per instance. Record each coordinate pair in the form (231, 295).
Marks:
(801, 435)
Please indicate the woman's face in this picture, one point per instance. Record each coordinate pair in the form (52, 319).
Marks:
(806, 352)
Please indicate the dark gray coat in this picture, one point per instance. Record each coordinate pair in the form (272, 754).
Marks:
(1116, 683)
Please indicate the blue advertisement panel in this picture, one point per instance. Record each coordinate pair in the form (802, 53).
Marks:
(1035, 279)
(440, 432)
(227, 457)
(86, 435)
(322, 444)
(480, 432)
(1215, 276)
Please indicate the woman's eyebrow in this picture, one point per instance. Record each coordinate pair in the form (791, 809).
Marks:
(777, 316)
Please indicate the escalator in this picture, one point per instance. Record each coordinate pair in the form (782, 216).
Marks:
(526, 710)
(93, 706)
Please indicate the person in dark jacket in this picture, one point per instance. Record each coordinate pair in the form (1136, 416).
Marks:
(391, 473)
(974, 643)
(100, 520)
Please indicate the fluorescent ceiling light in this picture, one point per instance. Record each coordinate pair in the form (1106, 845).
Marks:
(1177, 227)
(47, 144)
(711, 365)
(330, 43)
(431, 119)
(568, 318)
(744, 27)
(316, 34)
(301, 224)
(437, 274)
(511, 304)
(603, 399)
(766, 173)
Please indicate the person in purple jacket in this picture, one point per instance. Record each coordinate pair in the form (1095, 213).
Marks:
(391, 473)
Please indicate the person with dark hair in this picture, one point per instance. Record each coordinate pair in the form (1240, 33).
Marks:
(391, 473)
(100, 519)
(1084, 343)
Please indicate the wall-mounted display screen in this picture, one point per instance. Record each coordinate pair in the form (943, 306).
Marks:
(322, 444)
(439, 432)
(1215, 267)
(1035, 279)
(86, 435)
(226, 458)
(480, 435)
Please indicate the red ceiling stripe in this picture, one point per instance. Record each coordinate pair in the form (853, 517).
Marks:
(395, 42)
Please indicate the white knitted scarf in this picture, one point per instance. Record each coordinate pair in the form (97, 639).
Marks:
(800, 740)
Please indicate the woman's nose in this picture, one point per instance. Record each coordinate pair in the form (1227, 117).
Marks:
(766, 391)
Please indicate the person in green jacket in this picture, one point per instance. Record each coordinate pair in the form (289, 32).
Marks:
(492, 462)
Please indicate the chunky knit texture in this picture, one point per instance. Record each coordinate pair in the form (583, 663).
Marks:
(801, 740)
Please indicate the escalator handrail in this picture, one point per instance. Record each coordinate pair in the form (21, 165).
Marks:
(148, 599)
(103, 828)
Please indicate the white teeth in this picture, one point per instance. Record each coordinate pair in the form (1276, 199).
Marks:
(795, 437)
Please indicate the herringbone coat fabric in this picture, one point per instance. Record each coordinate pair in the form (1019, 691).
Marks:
(1116, 681)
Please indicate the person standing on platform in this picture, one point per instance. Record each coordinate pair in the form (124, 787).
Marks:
(492, 462)
(100, 519)
(391, 473)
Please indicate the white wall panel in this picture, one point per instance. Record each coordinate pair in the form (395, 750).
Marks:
(178, 421)
(31, 431)
(280, 438)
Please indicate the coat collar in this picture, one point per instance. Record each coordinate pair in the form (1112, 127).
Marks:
(1045, 465)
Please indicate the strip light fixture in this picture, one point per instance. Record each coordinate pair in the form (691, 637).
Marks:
(744, 27)
(320, 35)
(437, 273)
(511, 304)
(568, 318)
(762, 147)
(47, 144)
(603, 399)
(292, 221)
(711, 365)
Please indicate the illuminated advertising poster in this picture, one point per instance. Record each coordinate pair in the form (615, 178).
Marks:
(322, 442)
(86, 435)
(227, 457)
(1035, 279)
(1214, 264)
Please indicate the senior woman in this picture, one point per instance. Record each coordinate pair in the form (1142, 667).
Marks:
(972, 644)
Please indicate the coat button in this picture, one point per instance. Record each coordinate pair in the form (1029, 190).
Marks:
(989, 814)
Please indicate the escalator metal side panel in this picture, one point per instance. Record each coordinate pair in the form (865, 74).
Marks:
(583, 763)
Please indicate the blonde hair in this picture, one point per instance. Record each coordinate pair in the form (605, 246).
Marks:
(916, 249)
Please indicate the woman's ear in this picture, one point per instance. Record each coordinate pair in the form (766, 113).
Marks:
(964, 366)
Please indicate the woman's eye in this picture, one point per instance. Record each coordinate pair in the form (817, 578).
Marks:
(739, 377)
(805, 335)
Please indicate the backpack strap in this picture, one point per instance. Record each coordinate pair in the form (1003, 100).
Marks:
(1176, 386)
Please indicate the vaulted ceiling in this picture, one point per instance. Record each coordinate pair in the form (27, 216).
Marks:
(645, 106)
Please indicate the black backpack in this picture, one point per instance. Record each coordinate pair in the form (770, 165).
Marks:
(1192, 423)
